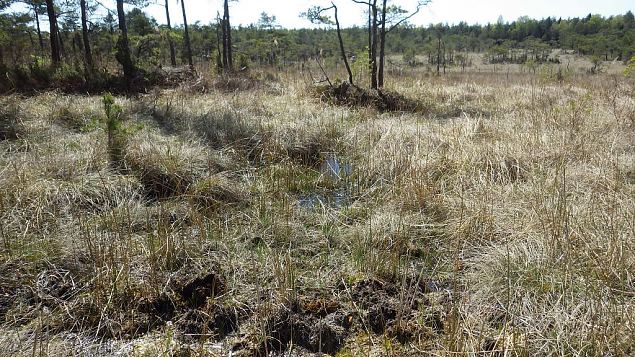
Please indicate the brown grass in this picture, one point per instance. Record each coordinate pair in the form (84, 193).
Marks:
(498, 222)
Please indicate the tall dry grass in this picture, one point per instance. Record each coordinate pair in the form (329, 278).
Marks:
(501, 222)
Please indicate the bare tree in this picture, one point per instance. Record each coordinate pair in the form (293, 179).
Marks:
(439, 31)
(170, 42)
(373, 68)
(36, 6)
(188, 45)
(372, 39)
(88, 56)
(219, 42)
(314, 15)
(394, 15)
(228, 57)
(382, 49)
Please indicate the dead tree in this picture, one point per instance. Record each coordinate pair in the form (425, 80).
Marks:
(315, 15)
(188, 45)
(88, 55)
(37, 6)
(394, 15)
(228, 57)
(170, 42)
(372, 39)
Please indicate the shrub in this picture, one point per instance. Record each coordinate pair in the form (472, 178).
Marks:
(630, 68)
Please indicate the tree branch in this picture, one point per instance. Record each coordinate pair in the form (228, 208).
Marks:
(420, 4)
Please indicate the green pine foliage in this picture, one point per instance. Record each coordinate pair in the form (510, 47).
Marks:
(265, 43)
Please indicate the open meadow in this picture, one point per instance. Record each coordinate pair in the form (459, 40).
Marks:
(248, 217)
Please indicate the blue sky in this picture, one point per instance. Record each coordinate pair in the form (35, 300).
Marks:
(451, 11)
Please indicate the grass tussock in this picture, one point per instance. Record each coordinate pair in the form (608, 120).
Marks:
(165, 167)
(224, 128)
(78, 118)
(217, 191)
(11, 124)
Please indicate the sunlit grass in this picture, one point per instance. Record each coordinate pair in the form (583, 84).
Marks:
(499, 219)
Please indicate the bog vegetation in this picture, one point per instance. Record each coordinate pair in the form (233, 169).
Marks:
(300, 200)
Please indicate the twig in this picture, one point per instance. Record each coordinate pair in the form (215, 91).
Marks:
(324, 72)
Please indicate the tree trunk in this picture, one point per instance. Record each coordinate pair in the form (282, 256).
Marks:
(31, 38)
(220, 28)
(37, 26)
(230, 46)
(55, 49)
(439, 55)
(382, 49)
(123, 46)
(343, 52)
(228, 60)
(444, 58)
(373, 78)
(224, 40)
(170, 42)
(88, 55)
(188, 46)
(370, 37)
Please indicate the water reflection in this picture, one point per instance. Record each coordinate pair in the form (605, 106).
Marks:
(335, 170)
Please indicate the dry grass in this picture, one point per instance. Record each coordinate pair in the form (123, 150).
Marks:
(497, 222)
(11, 126)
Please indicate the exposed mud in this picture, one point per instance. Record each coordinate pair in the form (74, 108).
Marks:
(196, 291)
(319, 323)
(211, 321)
(192, 305)
(161, 307)
(198, 307)
(385, 306)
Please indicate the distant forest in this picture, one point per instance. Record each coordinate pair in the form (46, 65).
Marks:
(24, 42)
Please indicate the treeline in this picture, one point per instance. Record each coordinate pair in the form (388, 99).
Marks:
(23, 42)
(611, 38)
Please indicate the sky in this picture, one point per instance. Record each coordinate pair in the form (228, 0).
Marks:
(287, 12)
(246, 12)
